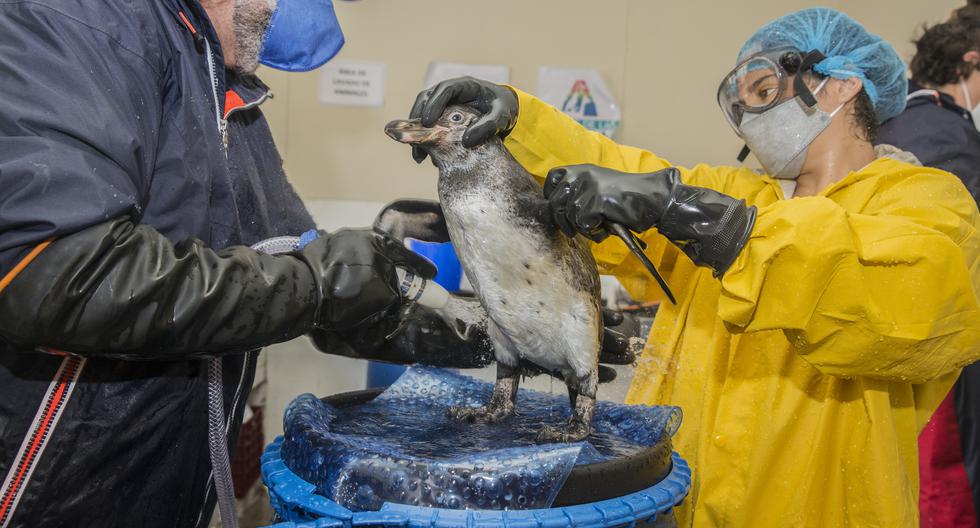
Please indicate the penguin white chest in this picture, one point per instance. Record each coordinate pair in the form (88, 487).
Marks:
(519, 276)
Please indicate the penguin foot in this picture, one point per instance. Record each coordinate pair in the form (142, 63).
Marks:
(483, 414)
(575, 431)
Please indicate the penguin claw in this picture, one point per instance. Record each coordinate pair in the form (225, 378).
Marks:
(574, 431)
(483, 414)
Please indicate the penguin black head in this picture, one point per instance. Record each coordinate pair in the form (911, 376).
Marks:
(443, 140)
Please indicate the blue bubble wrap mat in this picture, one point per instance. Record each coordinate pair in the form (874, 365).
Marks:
(402, 447)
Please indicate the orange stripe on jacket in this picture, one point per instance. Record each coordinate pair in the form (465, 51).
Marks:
(9, 277)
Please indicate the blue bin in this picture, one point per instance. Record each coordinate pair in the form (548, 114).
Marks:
(450, 274)
(299, 506)
(443, 255)
(381, 375)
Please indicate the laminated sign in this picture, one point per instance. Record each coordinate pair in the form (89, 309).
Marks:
(353, 83)
(583, 95)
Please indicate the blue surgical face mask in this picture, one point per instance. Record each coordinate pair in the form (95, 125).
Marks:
(302, 35)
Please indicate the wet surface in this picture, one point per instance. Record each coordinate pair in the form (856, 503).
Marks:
(428, 432)
(402, 446)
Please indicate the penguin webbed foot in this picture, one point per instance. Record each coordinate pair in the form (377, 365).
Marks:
(579, 426)
(484, 414)
(574, 431)
(501, 404)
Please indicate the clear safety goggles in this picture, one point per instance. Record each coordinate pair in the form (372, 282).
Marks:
(764, 80)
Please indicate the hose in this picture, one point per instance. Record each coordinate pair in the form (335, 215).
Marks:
(217, 435)
(275, 245)
(218, 446)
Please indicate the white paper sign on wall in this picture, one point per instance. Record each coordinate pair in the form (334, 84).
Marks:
(582, 94)
(440, 71)
(353, 83)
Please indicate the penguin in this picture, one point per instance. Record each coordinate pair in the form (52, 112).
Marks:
(540, 289)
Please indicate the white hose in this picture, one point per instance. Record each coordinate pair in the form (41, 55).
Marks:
(218, 446)
(276, 245)
(217, 437)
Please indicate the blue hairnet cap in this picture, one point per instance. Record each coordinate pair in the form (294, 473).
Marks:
(850, 51)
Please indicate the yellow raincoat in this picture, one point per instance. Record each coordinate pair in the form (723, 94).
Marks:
(807, 371)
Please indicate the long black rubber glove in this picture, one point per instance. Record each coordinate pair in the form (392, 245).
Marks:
(497, 104)
(709, 226)
(425, 338)
(123, 290)
(420, 337)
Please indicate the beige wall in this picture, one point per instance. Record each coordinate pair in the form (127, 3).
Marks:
(662, 60)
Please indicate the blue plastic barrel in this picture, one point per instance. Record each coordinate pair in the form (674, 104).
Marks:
(450, 274)
(296, 503)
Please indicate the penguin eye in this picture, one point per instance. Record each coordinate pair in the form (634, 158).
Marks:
(456, 117)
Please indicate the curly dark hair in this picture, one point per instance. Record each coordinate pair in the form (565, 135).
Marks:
(970, 10)
(939, 51)
(865, 119)
(863, 112)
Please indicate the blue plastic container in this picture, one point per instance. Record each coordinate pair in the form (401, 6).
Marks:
(443, 255)
(299, 506)
(449, 276)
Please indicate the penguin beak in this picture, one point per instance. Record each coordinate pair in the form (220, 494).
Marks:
(411, 131)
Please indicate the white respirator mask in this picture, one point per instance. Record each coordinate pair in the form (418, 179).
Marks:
(780, 137)
(777, 128)
(974, 110)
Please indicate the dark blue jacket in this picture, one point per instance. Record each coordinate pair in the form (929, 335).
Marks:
(115, 108)
(940, 133)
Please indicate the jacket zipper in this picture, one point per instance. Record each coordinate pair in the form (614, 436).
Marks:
(222, 122)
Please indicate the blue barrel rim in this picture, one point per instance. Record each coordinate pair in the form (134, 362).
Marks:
(290, 493)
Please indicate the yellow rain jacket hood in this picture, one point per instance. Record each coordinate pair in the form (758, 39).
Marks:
(807, 371)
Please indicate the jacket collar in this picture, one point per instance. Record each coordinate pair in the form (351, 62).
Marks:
(244, 92)
(919, 96)
(241, 91)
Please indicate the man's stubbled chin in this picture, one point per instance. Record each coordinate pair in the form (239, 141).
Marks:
(251, 20)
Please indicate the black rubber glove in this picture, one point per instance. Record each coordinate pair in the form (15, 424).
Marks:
(621, 339)
(410, 218)
(416, 336)
(355, 272)
(497, 103)
(423, 337)
(123, 290)
(710, 227)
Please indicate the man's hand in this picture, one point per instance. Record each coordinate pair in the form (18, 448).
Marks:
(355, 273)
(411, 336)
(621, 339)
(421, 336)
